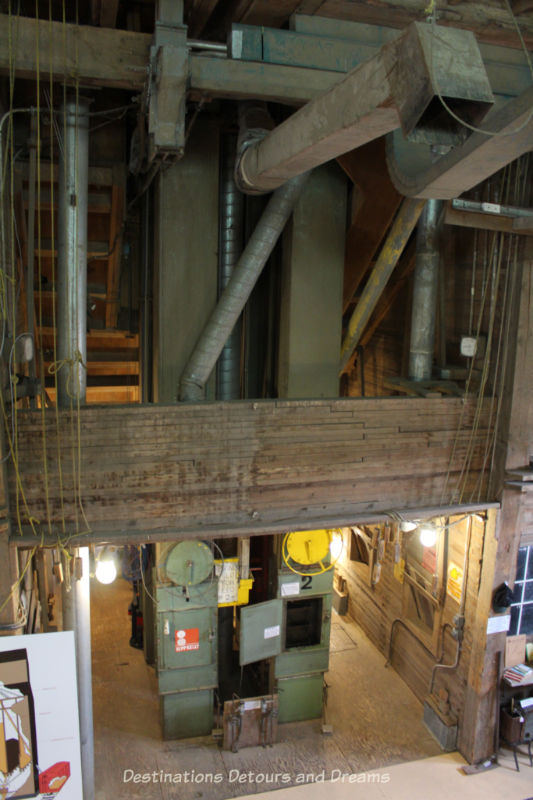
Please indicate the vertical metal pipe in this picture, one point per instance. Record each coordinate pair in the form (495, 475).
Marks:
(72, 255)
(82, 601)
(230, 249)
(425, 292)
(72, 381)
(30, 266)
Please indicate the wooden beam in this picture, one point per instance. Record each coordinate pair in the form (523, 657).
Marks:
(241, 80)
(118, 58)
(490, 21)
(94, 56)
(161, 471)
(376, 203)
(108, 368)
(115, 395)
(393, 247)
(388, 297)
(99, 339)
(488, 222)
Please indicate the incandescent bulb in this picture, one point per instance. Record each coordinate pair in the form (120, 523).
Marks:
(336, 545)
(106, 571)
(428, 535)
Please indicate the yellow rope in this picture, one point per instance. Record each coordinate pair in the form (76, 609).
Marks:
(54, 302)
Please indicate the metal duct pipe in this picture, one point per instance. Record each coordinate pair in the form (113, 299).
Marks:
(425, 291)
(72, 382)
(72, 255)
(230, 250)
(237, 292)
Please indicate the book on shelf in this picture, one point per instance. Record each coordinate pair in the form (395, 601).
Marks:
(518, 674)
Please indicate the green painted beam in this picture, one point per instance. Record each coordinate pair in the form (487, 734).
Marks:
(342, 46)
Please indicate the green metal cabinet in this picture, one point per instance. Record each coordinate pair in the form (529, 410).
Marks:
(186, 646)
(298, 671)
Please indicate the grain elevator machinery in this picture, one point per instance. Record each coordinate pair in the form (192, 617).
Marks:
(293, 629)
(186, 595)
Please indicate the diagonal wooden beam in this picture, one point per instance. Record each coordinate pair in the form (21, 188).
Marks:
(376, 204)
(391, 251)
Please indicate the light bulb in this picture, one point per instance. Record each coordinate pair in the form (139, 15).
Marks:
(335, 546)
(407, 525)
(428, 535)
(106, 570)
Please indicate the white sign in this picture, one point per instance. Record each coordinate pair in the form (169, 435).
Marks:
(39, 737)
(499, 624)
(290, 589)
(250, 705)
(270, 633)
(228, 581)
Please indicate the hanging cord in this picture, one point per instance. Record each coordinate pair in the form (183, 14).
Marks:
(431, 13)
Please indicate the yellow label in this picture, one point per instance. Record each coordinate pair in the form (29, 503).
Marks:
(399, 569)
(455, 581)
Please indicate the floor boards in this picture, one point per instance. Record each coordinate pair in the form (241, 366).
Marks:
(377, 721)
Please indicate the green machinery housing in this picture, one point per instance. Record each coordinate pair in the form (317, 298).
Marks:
(290, 631)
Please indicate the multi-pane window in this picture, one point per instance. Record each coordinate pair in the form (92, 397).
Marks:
(522, 607)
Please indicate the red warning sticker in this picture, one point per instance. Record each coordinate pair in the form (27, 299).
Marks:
(187, 639)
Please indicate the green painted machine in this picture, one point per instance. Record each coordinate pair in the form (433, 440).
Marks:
(186, 594)
(293, 630)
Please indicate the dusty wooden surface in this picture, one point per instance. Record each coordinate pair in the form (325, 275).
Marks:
(161, 471)
(376, 720)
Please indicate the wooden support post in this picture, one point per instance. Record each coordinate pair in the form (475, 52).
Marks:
(502, 540)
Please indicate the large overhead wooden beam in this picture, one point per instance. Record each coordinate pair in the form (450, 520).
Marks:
(490, 21)
(156, 472)
(118, 58)
(94, 56)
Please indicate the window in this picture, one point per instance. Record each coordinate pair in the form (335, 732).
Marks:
(522, 608)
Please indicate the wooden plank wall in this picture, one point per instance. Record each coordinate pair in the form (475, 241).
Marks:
(376, 607)
(152, 472)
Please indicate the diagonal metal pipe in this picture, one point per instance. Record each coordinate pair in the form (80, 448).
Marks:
(238, 290)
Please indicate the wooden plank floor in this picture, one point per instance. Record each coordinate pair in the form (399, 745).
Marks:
(377, 720)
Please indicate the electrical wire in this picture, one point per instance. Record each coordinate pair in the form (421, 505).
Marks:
(432, 15)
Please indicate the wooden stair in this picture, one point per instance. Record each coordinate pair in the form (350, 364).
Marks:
(112, 354)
